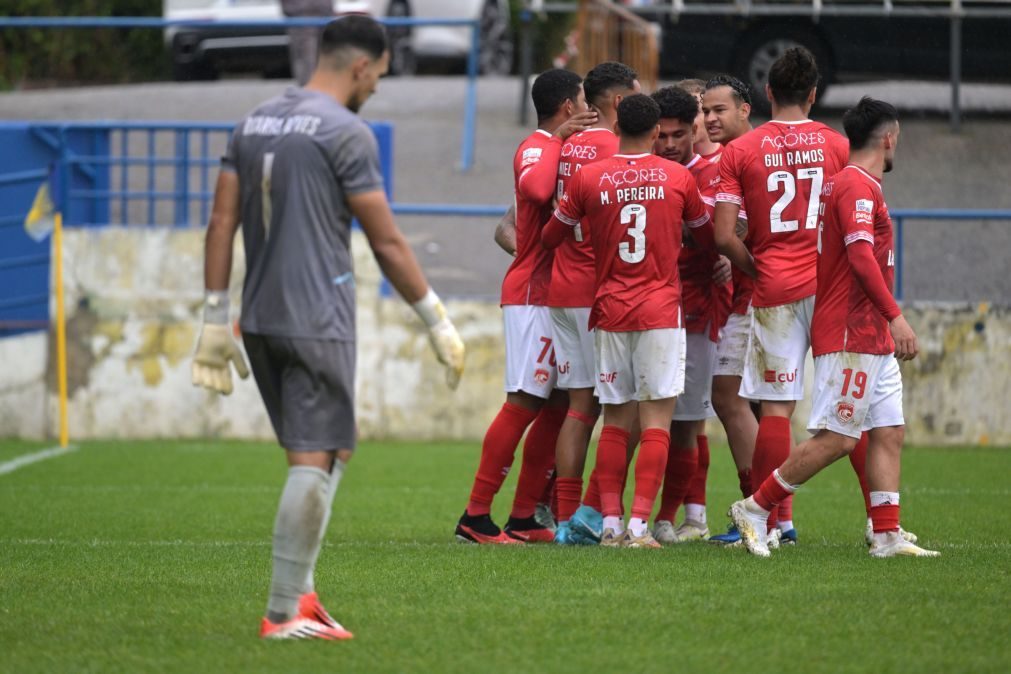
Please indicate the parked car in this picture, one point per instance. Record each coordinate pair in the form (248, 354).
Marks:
(846, 47)
(205, 52)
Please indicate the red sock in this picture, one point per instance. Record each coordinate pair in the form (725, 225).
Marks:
(538, 460)
(548, 495)
(744, 481)
(592, 497)
(885, 518)
(681, 467)
(858, 459)
(497, 455)
(568, 490)
(786, 509)
(649, 470)
(772, 448)
(610, 468)
(697, 487)
(771, 493)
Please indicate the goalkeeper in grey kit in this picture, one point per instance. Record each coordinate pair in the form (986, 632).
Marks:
(296, 171)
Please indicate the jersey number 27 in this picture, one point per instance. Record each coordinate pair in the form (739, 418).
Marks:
(789, 185)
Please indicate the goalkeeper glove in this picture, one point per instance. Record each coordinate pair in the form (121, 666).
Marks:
(216, 348)
(443, 336)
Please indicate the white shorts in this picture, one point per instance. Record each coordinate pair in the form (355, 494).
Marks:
(855, 392)
(529, 347)
(644, 365)
(732, 346)
(573, 347)
(695, 403)
(777, 346)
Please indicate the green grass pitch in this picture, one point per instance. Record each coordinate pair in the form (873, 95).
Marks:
(155, 556)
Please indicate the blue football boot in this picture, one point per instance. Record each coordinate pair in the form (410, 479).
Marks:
(587, 523)
(730, 538)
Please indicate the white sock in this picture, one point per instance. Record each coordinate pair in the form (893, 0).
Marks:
(637, 526)
(785, 525)
(695, 512)
(614, 523)
(336, 473)
(879, 498)
(297, 536)
(751, 504)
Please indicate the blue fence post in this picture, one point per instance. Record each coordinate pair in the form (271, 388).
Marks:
(470, 106)
(898, 257)
(182, 159)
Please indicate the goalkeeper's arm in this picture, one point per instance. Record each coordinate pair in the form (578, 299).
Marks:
(398, 263)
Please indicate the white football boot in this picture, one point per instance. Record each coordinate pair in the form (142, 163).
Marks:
(752, 526)
(894, 544)
(690, 530)
(869, 534)
(663, 532)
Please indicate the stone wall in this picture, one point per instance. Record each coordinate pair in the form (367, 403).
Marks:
(133, 300)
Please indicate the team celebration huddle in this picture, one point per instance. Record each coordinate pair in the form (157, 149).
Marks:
(672, 264)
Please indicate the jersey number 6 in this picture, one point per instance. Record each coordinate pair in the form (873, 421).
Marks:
(634, 252)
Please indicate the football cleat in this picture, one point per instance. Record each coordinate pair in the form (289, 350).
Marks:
(309, 606)
(788, 537)
(752, 526)
(481, 530)
(545, 517)
(527, 530)
(588, 523)
(645, 541)
(772, 537)
(301, 627)
(869, 534)
(731, 537)
(611, 538)
(690, 530)
(894, 544)
(563, 535)
(663, 532)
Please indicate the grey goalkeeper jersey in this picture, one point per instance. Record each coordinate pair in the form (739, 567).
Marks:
(298, 157)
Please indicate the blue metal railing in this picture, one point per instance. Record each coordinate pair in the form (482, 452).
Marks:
(467, 143)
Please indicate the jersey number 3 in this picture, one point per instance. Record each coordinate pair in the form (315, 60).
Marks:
(634, 252)
(789, 184)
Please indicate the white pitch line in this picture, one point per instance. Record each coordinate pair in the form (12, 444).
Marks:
(34, 457)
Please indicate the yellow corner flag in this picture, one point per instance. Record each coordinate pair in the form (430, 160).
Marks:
(40, 219)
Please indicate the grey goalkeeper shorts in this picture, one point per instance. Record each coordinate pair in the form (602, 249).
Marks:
(308, 388)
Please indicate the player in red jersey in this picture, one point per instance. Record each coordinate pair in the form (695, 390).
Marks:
(640, 339)
(777, 171)
(571, 293)
(858, 332)
(704, 145)
(688, 461)
(530, 367)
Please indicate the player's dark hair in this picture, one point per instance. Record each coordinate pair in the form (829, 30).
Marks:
(676, 103)
(605, 77)
(692, 86)
(551, 89)
(738, 89)
(638, 115)
(793, 76)
(355, 30)
(864, 120)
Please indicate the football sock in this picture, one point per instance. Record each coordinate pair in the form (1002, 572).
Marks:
(697, 486)
(785, 513)
(858, 459)
(637, 526)
(548, 496)
(744, 481)
(772, 492)
(611, 468)
(336, 473)
(297, 528)
(568, 489)
(592, 497)
(678, 474)
(538, 460)
(613, 522)
(885, 511)
(772, 448)
(695, 512)
(649, 470)
(497, 455)
(784, 525)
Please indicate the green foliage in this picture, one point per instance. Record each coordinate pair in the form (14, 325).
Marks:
(549, 32)
(42, 55)
(155, 557)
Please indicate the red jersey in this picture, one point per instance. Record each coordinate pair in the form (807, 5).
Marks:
(713, 156)
(777, 171)
(845, 318)
(695, 265)
(573, 275)
(634, 207)
(535, 167)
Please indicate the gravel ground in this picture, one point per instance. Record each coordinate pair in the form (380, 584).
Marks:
(935, 168)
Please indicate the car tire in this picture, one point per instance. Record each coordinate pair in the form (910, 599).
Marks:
(757, 52)
(402, 58)
(496, 56)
